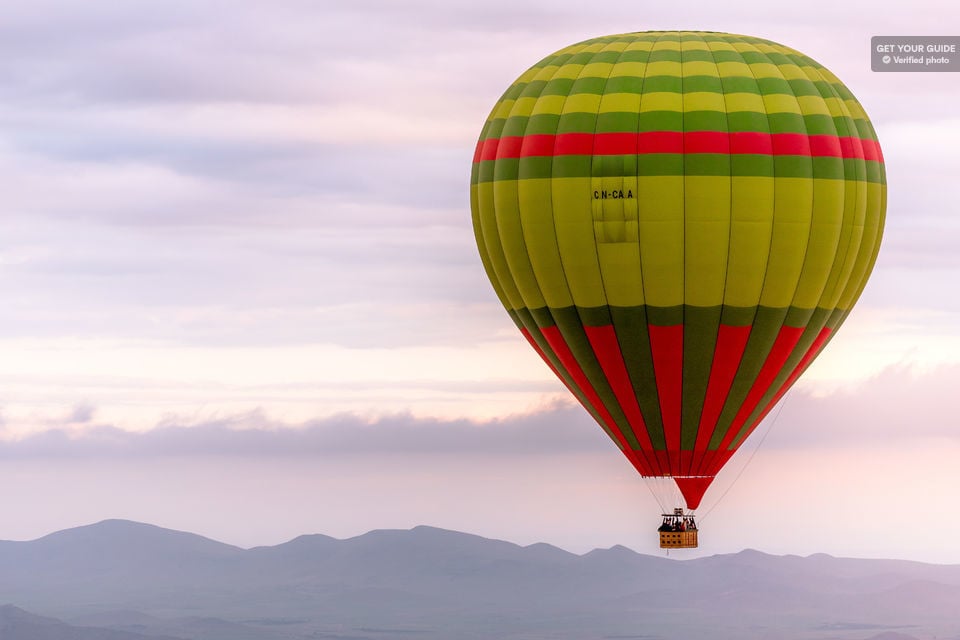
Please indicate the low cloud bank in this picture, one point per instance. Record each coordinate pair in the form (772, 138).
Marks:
(893, 409)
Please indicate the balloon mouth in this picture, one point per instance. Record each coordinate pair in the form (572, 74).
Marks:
(673, 491)
(693, 489)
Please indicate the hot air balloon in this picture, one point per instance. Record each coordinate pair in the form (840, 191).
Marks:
(678, 223)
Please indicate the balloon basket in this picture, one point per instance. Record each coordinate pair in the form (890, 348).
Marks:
(678, 531)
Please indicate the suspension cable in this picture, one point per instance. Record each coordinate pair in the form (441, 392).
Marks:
(776, 417)
(648, 483)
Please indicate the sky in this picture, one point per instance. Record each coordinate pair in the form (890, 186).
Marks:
(242, 296)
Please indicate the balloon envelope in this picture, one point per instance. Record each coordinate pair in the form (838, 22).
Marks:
(678, 222)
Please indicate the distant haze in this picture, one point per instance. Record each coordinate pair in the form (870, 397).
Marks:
(129, 578)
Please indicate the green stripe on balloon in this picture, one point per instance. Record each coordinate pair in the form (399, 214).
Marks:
(675, 84)
(524, 319)
(675, 164)
(568, 322)
(813, 325)
(630, 324)
(704, 120)
(700, 326)
(763, 333)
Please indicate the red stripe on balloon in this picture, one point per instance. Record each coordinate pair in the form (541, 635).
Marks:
(673, 462)
(555, 339)
(790, 144)
(738, 142)
(826, 146)
(706, 142)
(783, 346)
(605, 346)
(808, 357)
(486, 149)
(538, 145)
(851, 147)
(509, 147)
(714, 460)
(660, 142)
(573, 144)
(614, 144)
(871, 150)
(536, 347)
(755, 142)
(666, 346)
(684, 461)
(731, 343)
(664, 461)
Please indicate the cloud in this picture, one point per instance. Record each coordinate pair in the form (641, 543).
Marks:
(555, 429)
(900, 408)
(374, 285)
(194, 174)
(81, 414)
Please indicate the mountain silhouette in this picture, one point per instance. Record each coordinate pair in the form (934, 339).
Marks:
(433, 583)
